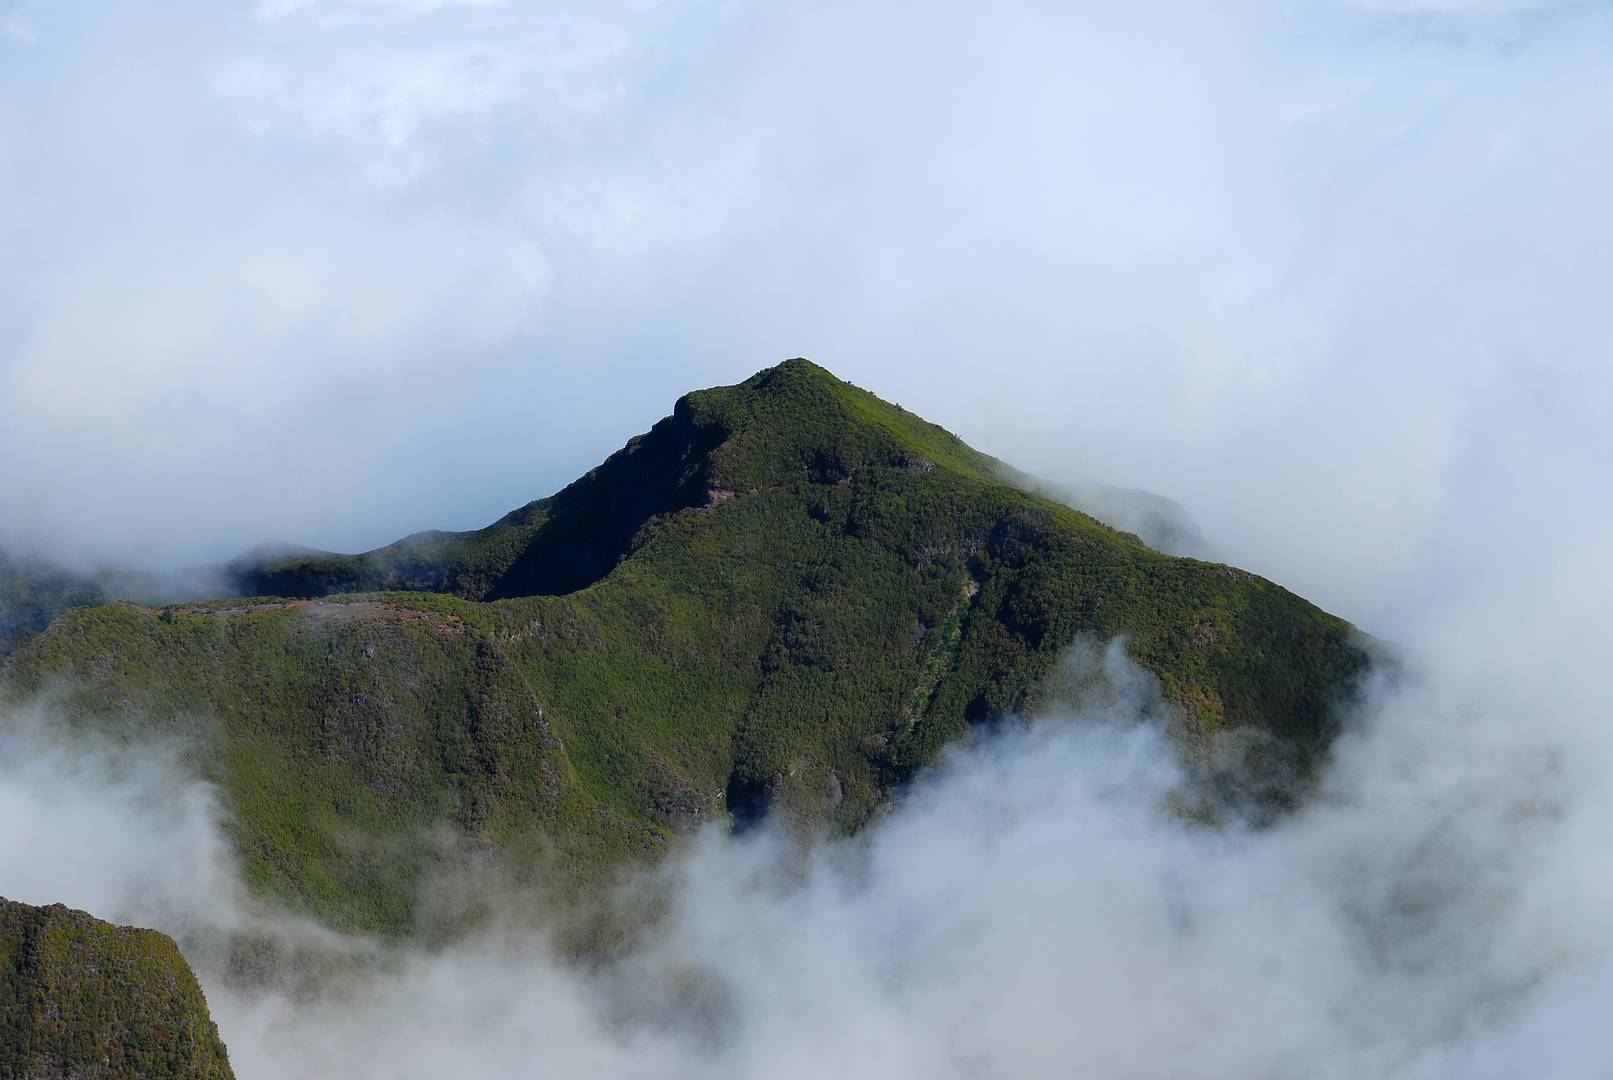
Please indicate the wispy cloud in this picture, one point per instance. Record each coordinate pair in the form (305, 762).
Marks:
(279, 9)
(1297, 240)
(16, 29)
(1456, 7)
(1331, 276)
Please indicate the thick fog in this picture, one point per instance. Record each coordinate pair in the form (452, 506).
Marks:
(1332, 276)
(329, 272)
(1032, 907)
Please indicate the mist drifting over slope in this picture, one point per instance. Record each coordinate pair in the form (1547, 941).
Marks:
(1033, 906)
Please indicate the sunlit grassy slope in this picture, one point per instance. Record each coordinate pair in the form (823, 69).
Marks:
(787, 594)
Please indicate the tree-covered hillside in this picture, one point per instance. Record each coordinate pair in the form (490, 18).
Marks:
(82, 998)
(788, 594)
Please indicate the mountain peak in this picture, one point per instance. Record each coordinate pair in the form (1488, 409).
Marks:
(788, 594)
(797, 367)
(789, 424)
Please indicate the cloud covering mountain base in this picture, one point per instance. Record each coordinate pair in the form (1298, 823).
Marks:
(1032, 906)
(1332, 274)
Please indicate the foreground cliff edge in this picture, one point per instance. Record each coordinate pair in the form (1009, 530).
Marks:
(82, 998)
(787, 597)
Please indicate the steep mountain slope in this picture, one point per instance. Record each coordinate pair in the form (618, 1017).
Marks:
(85, 999)
(789, 594)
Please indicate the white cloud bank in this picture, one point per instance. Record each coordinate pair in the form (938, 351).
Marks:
(360, 269)
(1030, 909)
(1334, 278)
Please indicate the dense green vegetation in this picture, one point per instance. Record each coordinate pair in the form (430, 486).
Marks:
(85, 999)
(787, 595)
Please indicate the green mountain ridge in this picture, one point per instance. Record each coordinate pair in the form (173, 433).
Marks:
(787, 596)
